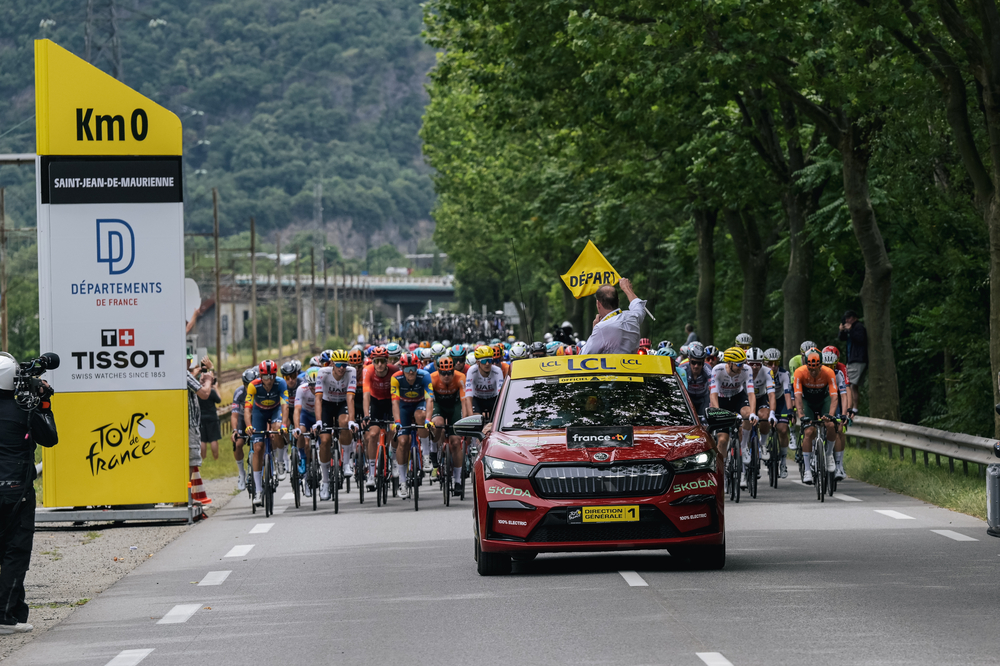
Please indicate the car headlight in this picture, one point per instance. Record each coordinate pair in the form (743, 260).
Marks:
(496, 468)
(699, 462)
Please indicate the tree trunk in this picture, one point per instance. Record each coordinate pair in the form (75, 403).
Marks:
(704, 221)
(573, 308)
(993, 222)
(753, 257)
(876, 291)
(795, 287)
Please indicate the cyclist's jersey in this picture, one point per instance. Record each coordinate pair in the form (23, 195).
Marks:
(447, 393)
(359, 386)
(842, 369)
(504, 368)
(842, 382)
(763, 383)
(379, 388)
(725, 385)
(430, 367)
(782, 384)
(795, 363)
(305, 398)
(478, 386)
(815, 388)
(239, 398)
(420, 390)
(697, 385)
(331, 389)
(262, 398)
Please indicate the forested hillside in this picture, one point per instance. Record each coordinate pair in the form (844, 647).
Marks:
(274, 97)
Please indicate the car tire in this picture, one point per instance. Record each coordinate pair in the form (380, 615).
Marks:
(702, 558)
(524, 557)
(492, 564)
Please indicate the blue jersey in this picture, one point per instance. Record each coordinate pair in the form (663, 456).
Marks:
(697, 385)
(403, 391)
(262, 398)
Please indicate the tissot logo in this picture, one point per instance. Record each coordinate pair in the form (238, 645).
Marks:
(117, 337)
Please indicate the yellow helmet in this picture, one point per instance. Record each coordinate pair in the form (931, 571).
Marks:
(484, 351)
(339, 356)
(734, 355)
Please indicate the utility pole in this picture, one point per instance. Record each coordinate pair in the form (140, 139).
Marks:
(232, 318)
(312, 293)
(101, 28)
(326, 294)
(336, 305)
(218, 299)
(253, 286)
(298, 300)
(279, 299)
(3, 270)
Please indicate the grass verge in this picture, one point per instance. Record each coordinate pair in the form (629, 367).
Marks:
(956, 491)
(225, 465)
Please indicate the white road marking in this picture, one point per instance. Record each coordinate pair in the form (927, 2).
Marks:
(179, 613)
(954, 535)
(846, 498)
(261, 528)
(894, 514)
(633, 579)
(288, 496)
(130, 657)
(214, 578)
(239, 551)
(714, 659)
(278, 510)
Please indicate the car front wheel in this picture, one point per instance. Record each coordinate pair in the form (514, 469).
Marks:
(491, 564)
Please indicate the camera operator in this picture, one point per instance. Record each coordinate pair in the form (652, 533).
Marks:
(23, 424)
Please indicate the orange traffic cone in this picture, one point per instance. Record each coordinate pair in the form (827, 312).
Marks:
(198, 493)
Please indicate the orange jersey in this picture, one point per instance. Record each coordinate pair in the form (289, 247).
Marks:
(447, 392)
(815, 386)
(505, 369)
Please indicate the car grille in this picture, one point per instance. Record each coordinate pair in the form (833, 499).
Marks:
(614, 532)
(587, 481)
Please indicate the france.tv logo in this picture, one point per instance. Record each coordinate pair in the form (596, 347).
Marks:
(115, 245)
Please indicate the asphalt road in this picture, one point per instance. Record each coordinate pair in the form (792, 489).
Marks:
(805, 583)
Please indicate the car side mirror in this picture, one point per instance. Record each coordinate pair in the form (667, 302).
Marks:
(720, 419)
(470, 426)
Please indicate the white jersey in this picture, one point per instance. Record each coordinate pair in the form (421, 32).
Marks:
(763, 383)
(782, 380)
(478, 386)
(306, 398)
(726, 385)
(332, 389)
(841, 382)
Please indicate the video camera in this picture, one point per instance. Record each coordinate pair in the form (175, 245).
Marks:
(29, 390)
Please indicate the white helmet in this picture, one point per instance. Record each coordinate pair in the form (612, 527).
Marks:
(772, 354)
(438, 349)
(547, 337)
(806, 346)
(829, 358)
(470, 359)
(755, 355)
(684, 350)
(744, 339)
(8, 369)
(518, 350)
(446, 343)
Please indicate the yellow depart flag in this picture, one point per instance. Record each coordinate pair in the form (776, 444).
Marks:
(590, 271)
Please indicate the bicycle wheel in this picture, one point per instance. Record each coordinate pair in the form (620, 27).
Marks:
(754, 469)
(415, 475)
(336, 475)
(379, 476)
(819, 472)
(444, 470)
(252, 490)
(360, 471)
(296, 477)
(268, 485)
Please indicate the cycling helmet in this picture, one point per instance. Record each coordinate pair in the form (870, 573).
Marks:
(641, 352)
(711, 350)
(470, 358)
(339, 356)
(379, 352)
(519, 350)
(571, 350)
(249, 375)
(314, 362)
(438, 349)
(720, 355)
(408, 360)
(833, 350)
(561, 350)
(829, 358)
(669, 351)
(446, 343)
(494, 341)
(734, 355)
(424, 344)
(355, 357)
(645, 343)
(744, 340)
(325, 357)
(813, 358)
(773, 354)
(685, 350)
(393, 349)
(446, 364)
(498, 350)
(312, 375)
(664, 343)
(806, 346)
(425, 355)
(268, 367)
(547, 337)
(288, 369)
(755, 355)
(552, 347)
(483, 352)
(537, 349)
(412, 347)
(696, 351)
(660, 352)
(457, 351)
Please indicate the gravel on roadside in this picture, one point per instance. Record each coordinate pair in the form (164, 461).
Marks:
(71, 565)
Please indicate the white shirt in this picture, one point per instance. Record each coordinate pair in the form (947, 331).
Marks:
(726, 385)
(617, 333)
(478, 386)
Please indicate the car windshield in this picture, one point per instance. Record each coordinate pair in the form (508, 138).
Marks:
(555, 402)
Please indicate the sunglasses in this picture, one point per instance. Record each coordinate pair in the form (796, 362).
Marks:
(410, 368)
(738, 365)
(380, 361)
(486, 361)
(340, 365)
(446, 373)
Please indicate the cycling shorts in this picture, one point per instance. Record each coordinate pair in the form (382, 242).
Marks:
(407, 410)
(332, 412)
(260, 418)
(451, 413)
(484, 406)
(701, 403)
(734, 403)
(380, 410)
(306, 419)
(782, 413)
(814, 409)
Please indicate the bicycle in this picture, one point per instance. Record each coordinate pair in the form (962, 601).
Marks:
(446, 466)
(774, 461)
(821, 478)
(269, 482)
(313, 476)
(414, 468)
(753, 469)
(296, 478)
(469, 453)
(336, 464)
(360, 463)
(383, 469)
(734, 462)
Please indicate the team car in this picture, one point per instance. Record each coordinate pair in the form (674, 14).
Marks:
(596, 453)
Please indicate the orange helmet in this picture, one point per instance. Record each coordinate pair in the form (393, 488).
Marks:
(445, 364)
(813, 358)
(356, 357)
(497, 353)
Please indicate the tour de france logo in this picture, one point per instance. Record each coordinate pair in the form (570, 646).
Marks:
(121, 443)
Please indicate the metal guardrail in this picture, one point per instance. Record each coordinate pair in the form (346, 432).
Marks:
(954, 446)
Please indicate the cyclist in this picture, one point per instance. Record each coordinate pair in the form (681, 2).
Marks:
(304, 418)
(697, 378)
(482, 384)
(711, 356)
(457, 354)
(377, 402)
(498, 361)
(438, 350)
(843, 408)
(744, 341)
(816, 399)
(796, 361)
(783, 399)
(518, 350)
(550, 348)
(449, 407)
(664, 343)
(335, 386)
(394, 351)
(237, 421)
(412, 395)
(732, 389)
(766, 400)
(644, 343)
(537, 350)
(265, 407)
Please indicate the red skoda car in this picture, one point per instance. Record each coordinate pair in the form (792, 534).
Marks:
(592, 453)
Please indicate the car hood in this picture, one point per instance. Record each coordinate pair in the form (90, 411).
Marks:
(549, 446)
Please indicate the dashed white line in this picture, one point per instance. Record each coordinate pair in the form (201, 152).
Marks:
(633, 579)
(239, 551)
(954, 535)
(179, 613)
(894, 514)
(130, 657)
(288, 496)
(278, 510)
(214, 578)
(261, 528)
(714, 659)
(846, 498)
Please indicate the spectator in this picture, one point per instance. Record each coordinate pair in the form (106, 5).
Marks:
(616, 331)
(197, 388)
(853, 331)
(211, 431)
(692, 336)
